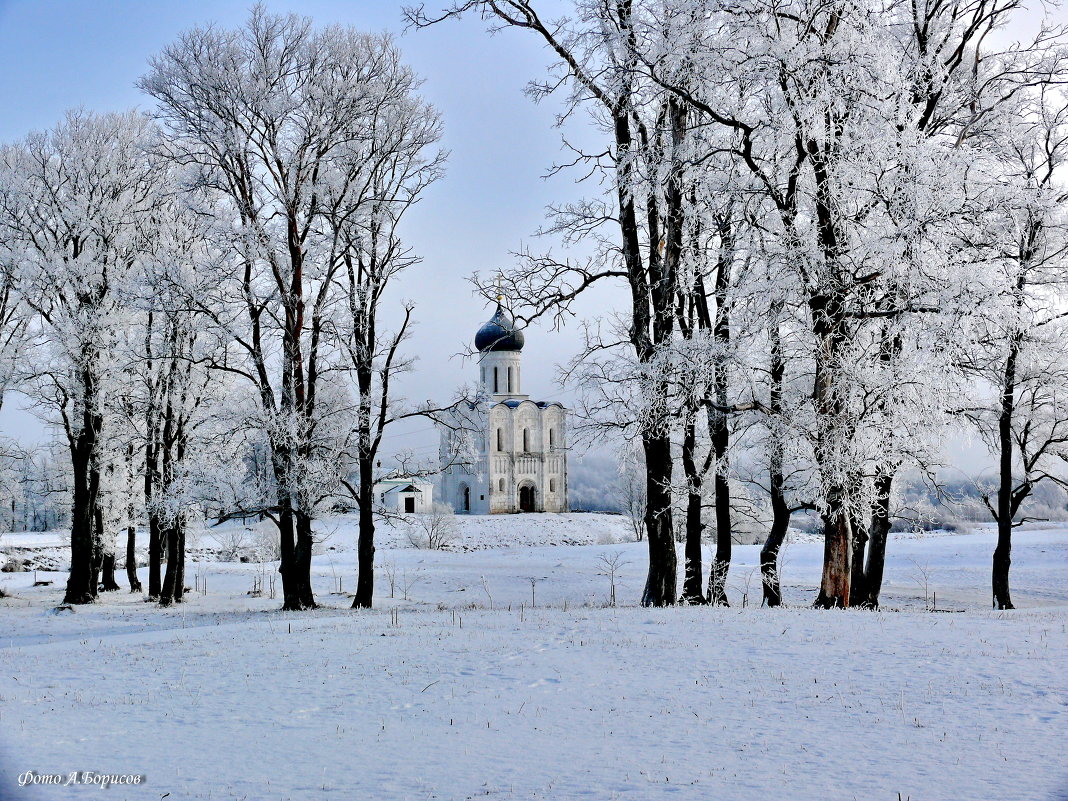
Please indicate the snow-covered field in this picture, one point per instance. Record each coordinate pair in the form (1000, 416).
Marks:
(456, 688)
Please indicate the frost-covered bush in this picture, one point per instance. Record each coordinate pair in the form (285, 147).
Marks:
(234, 542)
(266, 542)
(435, 530)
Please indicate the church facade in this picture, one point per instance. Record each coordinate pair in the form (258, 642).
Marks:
(504, 452)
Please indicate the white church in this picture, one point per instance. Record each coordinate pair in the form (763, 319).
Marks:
(504, 452)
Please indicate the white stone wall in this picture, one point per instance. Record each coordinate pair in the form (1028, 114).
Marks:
(500, 362)
(521, 454)
(463, 461)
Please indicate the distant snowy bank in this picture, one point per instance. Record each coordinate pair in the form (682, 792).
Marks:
(236, 541)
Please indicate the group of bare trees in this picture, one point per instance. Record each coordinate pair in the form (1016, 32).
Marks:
(835, 220)
(186, 291)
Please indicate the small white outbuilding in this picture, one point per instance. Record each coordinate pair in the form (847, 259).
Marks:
(405, 496)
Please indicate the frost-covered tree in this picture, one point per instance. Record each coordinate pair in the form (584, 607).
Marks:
(1021, 358)
(76, 207)
(829, 105)
(381, 177)
(174, 404)
(855, 135)
(280, 123)
(14, 323)
(637, 227)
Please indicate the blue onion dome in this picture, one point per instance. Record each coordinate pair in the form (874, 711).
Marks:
(499, 333)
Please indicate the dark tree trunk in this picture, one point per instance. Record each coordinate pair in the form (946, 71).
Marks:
(365, 556)
(295, 565)
(107, 557)
(828, 326)
(1001, 563)
(85, 546)
(179, 570)
(1006, 506)
(107, 573)
(858, 587)
(769, 554)
(367, 443)
(286, 547)
(780, 511)
(653, 284)
(880, 530)
(166, 595)
(82, 582)
(693, 580)
(827, 305)
(174, 579)
(131, 558)
(155, 528)
(662, 580)
(155, 554)
(719, 431)
(131, 526)
(721, 563)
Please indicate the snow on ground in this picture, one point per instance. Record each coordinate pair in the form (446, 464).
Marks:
(462, 690)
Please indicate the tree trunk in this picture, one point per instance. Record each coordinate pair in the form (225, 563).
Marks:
(180, 589)
(131, 558)
(85, 554)
(661, 582)
(365, 556)
(719, 431)
(155, 554)
(155, 529)
(1001, 563)
(780, 512)
(827, 305)
(837, 555)
(131, 525)
(170, 578)
(693, 579)
(769, 554)
(295, 565)
(721, 563)
(1003, 551)
(107, 573)
(107, 555)
(829, 327)
(858, 587)
(880, 530)
(296, 587)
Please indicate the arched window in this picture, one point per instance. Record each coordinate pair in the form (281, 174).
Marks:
(552, 438)
(495, 390)
(500, 485)
(500, 439)
(509, 379)
(526, 440)
(552, 485)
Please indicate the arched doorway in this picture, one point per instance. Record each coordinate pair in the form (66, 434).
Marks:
(465, 498)
(527, 496)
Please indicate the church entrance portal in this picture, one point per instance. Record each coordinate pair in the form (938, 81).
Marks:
(526, 498)
(465, 498)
